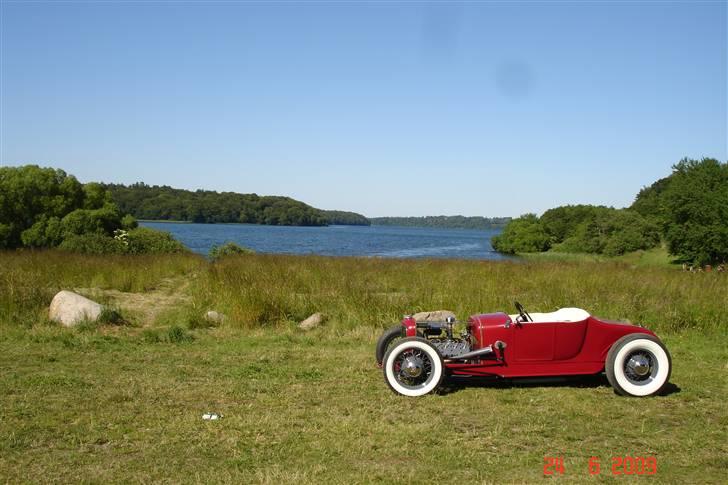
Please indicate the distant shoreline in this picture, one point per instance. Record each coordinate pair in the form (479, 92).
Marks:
(166, 221)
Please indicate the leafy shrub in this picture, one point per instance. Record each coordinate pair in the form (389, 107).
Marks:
(46, 232)
(103, 220)
(93, 243)
(144, 240)
(137, 241)
(524, 234)
(227, 249)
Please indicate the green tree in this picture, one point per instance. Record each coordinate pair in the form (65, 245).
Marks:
(611, 232)
(695, 206)
(524, 234)
(562, 222)
(28, 193)
(648, 201)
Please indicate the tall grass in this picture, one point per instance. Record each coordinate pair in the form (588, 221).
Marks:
(259, 290)
(262, 289)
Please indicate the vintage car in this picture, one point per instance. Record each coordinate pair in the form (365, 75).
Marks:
(417, 356)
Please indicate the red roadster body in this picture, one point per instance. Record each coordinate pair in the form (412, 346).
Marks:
(417, 356)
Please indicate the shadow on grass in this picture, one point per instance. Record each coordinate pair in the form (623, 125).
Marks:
(458, 383)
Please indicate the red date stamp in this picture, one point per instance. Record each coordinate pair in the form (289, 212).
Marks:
(620, 465)
(553, 465)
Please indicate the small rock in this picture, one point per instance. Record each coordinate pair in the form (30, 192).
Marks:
(433, 316)
(311, 322)
(70, 308)
(214, 317)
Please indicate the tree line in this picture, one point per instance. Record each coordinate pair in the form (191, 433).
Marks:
(449, 222)
(204, 206)
(344, 218)
(688, 211)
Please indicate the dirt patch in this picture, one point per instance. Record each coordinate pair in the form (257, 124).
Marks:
(144, 307)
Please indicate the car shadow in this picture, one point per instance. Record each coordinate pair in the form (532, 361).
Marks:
(457, 383)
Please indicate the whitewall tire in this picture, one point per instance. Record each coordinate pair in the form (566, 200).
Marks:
(638, 365)
(413, 367)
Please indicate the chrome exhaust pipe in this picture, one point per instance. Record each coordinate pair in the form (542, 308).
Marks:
(470, 355)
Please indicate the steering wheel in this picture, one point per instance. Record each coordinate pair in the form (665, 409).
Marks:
(522, 312)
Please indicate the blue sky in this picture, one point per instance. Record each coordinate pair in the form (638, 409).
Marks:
(381, 108)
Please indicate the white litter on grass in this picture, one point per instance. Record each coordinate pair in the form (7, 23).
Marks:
(211, 416)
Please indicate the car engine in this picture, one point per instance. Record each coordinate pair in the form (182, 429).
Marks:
(451, 347)
(440, 335)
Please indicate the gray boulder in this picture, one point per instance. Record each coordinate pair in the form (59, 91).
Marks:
(433, 316)
(70, 308)
(311, 322)
(214, 317)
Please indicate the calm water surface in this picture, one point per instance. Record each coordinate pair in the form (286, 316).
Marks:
(381, 241)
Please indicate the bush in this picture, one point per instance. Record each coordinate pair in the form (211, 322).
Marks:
(525, 234)
(93, 243)
(143, 240)
(46, 232)
(227, 249)
(137, 241)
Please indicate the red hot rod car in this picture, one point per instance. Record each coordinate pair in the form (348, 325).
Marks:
(417, 356)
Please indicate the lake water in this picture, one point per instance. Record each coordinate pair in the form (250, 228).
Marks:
(378, 241)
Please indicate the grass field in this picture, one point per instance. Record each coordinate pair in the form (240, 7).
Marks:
(124, 403)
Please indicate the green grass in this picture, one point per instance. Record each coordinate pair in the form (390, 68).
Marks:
(123, 403)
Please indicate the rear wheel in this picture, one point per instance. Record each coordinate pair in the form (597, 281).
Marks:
(387, 339)
(413, 367)
(638, 365)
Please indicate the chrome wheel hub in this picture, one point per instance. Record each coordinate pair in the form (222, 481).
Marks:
(640, 367)
(412, 366)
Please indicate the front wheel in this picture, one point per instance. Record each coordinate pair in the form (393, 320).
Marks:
(638, 365)
(413, 367)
